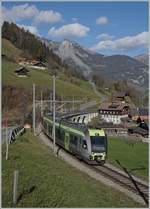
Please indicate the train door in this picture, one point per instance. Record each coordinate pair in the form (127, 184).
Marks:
(66, 141)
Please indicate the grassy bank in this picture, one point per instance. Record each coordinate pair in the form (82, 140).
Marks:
(47, 181)
(131, 155)
(43, 80)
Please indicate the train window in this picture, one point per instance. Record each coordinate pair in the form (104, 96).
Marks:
(80, 140)
(62, 135)
(84, 144)
(73, 139)
(57, 133)
(50, 129)
(45, 124)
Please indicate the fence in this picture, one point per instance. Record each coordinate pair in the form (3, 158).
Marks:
(16, 132)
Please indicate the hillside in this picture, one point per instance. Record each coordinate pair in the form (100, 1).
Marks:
(66, 86)
(10, 51)
(17, 91)
(47, 181)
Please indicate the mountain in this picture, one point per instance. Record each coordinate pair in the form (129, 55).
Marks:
(115, 67)
(74, 55)
(143, 58)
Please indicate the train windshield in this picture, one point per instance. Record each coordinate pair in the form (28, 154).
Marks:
(98, 143)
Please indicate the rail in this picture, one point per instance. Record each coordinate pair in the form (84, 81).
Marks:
(125, 180)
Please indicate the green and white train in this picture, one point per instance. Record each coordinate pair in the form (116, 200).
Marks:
(87, 144)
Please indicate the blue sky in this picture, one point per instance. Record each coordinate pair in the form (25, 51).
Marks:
(105, 27)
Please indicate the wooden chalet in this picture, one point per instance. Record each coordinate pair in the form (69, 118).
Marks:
(39, 65)
(113, 112)
(21, 72)
(143, 113)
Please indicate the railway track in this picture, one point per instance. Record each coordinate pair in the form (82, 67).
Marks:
(125, 181)
(117, 177)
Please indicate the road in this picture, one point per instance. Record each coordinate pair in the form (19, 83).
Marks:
(103, 97)
(93, 103)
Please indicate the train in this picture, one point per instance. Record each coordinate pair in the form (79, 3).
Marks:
(86, 144)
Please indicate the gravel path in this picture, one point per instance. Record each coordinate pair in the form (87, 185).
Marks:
(84, 168)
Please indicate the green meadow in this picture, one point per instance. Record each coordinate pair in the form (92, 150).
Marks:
(132, 155)
(47, 181)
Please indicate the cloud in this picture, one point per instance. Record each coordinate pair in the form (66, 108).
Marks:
(26, 11)
(102, 21)
(31, 29)
(105, 36)
(18, 13)
(46, 16)
(123, 44)
(75, 19)
(69, 31)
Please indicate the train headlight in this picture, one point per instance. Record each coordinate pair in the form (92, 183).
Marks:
(98, 158)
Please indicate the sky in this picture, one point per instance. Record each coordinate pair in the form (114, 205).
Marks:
(104, 27)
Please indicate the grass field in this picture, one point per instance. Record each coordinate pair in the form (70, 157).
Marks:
(10, 50)
(43, 80)
(131, 156)
(66, 86)
(47, 181)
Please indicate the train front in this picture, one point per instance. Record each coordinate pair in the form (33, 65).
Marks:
(98, 141)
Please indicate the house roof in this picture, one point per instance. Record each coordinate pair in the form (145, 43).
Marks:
(22, 69)
(113, 106)
(39, 63)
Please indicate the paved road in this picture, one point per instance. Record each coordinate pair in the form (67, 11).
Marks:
(93, 103)
(9, 130)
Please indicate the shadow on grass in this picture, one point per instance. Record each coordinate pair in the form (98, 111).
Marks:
(26, 192)
(134, 181)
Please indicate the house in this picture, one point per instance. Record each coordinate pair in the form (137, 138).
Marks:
(140, 112)
(21, 72)
(113, 112)
(38, 65)
(144, 114)
(23, 61)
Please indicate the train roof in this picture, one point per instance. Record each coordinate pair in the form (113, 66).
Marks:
(76, 126)
(70, 124)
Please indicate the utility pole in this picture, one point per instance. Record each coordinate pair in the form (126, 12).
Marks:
(41, 104)
(7, 143)
(51, 104)
(54, 114)
(62, 110)
(33, 117)
(73, 104)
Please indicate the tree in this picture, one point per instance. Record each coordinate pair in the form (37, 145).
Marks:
(138, 120)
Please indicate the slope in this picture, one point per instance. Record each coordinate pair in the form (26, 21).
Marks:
(67, 86)
(47, 181)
